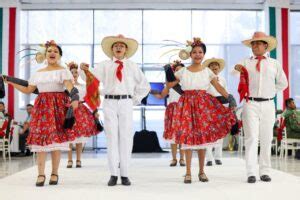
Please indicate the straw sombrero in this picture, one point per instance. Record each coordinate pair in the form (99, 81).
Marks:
(261, 36)
(107, 43)
(220, 61)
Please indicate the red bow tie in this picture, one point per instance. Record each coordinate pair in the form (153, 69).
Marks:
(259, 58)
(119, 70)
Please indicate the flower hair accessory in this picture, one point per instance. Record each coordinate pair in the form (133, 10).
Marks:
(184, 54)
(38, 52)
(183, 50)
(50, 43)
(72, 65)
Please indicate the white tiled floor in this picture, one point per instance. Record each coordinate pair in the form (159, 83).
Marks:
(290, 165)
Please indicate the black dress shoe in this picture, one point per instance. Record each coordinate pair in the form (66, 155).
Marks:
(218, 162)
(209, 163)
(265, 178)
(112, 181)
(125, 181)
(251, 179)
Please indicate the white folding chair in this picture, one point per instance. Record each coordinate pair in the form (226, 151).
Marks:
(287, 143)
(5, 140)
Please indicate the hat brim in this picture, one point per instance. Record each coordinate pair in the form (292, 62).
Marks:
(271, 41)
(221, 62)
(107, 42)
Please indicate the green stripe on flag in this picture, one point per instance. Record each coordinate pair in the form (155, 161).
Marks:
(272, 17)
(273, 53)
(1, 29)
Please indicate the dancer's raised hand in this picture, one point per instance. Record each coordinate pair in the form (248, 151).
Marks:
(84, 66)
(238, 67)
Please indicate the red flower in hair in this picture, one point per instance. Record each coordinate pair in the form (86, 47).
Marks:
(50, 43)
(197, 41)
(72, 65)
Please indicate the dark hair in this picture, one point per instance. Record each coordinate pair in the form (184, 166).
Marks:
(119, 42)
(29, 105)
(59, 49)
(1, 102)
(215, 63)
(288, 101)
(201, 45)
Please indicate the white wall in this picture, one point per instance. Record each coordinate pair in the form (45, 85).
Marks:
(8, 3)
(142, 4)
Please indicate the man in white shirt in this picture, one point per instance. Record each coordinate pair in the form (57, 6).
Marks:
(124, 86)
(266, 78)
(216, 65)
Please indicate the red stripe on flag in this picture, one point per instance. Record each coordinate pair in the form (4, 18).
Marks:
(285, 49)
(11, 57)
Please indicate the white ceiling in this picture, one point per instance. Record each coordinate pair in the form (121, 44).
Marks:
(143, 1)
(155, 1)
(146, 4)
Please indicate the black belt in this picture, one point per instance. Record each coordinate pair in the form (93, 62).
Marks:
(260, 99)
(125, 96)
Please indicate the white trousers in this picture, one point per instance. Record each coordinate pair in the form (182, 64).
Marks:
(218, 151)
(258, 121)
(118, 127)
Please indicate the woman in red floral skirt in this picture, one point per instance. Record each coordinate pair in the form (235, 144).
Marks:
(169, 133)
(87, 126)
(199, 120)
(50, 107)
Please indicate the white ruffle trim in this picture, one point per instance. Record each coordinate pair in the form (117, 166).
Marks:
(80, 140)
(55, 76)
(172, 141)
(196, 147)
(51, 147)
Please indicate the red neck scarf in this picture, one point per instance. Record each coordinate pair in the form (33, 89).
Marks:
(119, 70)
(259, 59)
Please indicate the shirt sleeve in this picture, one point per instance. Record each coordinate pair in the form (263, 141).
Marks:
(66, 75)
(211, 75)
(142, 87)
(31, 80)
(179, 73)
(281, 80)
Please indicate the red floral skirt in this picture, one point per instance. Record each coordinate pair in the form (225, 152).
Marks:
(85, 125)
(47, 119)
(200, 118)
(169, 133)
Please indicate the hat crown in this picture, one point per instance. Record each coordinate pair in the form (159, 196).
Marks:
(258, 35)
(120, 36)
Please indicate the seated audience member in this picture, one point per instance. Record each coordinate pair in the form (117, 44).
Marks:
(292, 119)
(25, 131)
(3, 113)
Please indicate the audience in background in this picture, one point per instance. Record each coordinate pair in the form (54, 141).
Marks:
(292, 119)
(3, 113)
(25, 132)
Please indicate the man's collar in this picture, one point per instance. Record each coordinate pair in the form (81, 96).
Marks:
(266, 55)
(115, 59)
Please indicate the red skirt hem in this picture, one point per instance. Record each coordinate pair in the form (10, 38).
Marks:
(200, 118)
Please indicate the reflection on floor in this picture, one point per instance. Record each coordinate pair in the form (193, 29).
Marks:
(289, 165)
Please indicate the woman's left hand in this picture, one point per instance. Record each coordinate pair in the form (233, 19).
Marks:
(75, 104)
(96, 115)
(4, 79)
